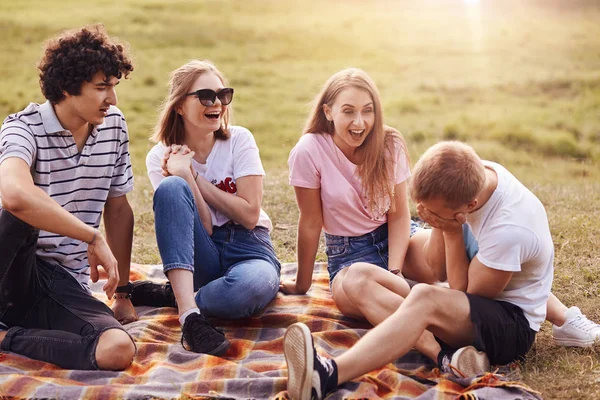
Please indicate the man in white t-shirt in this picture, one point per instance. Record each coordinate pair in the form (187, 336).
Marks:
(496, 301)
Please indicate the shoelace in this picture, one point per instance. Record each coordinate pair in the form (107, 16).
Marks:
(584, 324)
(193, 330)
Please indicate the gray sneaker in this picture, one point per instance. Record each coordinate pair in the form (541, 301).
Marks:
(310, 376)
(466, 362)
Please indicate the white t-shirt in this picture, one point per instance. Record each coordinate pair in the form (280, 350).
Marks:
(228, 160)
(513, 235)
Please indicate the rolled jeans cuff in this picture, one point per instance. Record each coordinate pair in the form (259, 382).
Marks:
(168, 267)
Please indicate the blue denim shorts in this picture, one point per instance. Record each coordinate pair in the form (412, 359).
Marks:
(372, 248)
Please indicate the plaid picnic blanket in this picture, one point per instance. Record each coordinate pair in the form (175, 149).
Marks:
(254, 366)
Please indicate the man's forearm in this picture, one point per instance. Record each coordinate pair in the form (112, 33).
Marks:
(39, 210)
(435, 253)
(457, 263)
(118, 222)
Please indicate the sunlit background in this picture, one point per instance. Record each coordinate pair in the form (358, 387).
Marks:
(517, 79)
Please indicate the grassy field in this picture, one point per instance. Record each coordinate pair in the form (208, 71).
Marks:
(518, 80)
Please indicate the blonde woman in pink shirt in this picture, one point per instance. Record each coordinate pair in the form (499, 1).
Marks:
(349, 173)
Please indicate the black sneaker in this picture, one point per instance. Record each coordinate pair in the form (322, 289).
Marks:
(310, 376)
(465, 362)
(202, 337)
(148, 293)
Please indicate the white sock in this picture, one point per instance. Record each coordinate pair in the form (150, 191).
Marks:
(188, 312)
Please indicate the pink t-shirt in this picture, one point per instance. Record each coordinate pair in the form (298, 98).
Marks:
(316, 162)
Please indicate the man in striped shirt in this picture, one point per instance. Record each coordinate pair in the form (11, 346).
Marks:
(62, 164)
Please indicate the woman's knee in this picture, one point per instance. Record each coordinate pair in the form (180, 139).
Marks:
(238, 299)
(169, 187)
(115, 350)
(357, 277)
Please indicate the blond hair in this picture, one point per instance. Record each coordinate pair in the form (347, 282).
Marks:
(377, 152)
(451, 171)
(169, 129)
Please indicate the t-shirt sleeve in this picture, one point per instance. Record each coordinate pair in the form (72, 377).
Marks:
(507, 247)
(17, 140)
(153, 162)
(402, 167)
(246, 160)
(303, 164)
(122, 179)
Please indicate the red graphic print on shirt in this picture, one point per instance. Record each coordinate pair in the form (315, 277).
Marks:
(227, 185)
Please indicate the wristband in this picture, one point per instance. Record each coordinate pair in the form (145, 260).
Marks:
(123, 292)
(196, 177)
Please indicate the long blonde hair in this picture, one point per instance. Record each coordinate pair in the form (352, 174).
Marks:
(169, 128)
(377, 152)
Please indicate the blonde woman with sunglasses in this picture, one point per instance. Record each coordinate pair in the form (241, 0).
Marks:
(211, 232)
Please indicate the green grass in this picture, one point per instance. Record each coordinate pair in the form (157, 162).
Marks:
(519, 80)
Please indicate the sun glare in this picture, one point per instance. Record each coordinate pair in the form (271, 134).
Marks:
(471, 1)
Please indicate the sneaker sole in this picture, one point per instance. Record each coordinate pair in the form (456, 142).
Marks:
(471, 362)
(573, 342)
(221, 349)
(297, 348)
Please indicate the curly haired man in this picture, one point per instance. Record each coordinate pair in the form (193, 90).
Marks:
(62, 164)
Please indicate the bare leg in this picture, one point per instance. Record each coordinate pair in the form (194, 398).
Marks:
(416, 267)
(182, 282)
(555, 311)
(444, 312)
(115, 350)
(366, 290)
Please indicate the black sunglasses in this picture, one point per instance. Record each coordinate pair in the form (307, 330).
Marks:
(207, 97)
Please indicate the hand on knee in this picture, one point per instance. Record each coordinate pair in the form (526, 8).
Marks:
(115, 350)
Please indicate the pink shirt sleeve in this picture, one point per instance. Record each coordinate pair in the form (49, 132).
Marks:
(304, 165)
(402, 167)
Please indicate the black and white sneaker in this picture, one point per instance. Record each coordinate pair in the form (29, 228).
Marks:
(310, 376)
(465, 362)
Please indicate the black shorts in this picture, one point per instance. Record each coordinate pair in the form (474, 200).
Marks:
(501, 330)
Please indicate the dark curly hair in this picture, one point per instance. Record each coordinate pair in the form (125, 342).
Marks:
(75, 57)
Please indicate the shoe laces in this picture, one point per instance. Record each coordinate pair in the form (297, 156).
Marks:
(200, 329)
(582, 323)
(450, 369)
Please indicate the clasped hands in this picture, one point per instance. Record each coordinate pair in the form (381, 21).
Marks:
(177, 161)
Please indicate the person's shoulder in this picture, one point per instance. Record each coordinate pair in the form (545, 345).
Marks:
(156, 152)
(313, 141)
(28, 116)
(236, 131)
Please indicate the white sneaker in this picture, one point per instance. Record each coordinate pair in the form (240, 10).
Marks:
(576, 331)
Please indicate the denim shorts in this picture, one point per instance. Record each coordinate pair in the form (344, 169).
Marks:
(372, 248)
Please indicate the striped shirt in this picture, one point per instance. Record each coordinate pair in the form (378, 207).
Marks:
(79, 182)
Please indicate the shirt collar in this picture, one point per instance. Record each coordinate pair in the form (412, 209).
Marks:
(49, 118)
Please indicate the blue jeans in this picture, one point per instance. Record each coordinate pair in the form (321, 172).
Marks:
(50, 316)
(372, 248)
(236, 271)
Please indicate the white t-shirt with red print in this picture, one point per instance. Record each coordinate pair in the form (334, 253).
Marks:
(228, 160)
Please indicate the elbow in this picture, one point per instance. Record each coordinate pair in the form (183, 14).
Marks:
(13, 198)
(252, 220)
